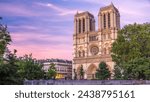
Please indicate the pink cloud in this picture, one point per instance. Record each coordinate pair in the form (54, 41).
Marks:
(42, 51)
(24, 36)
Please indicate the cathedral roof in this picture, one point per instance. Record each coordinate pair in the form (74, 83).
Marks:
(111, 6)
(84, 13)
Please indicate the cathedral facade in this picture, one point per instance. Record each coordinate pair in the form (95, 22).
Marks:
(90, 46)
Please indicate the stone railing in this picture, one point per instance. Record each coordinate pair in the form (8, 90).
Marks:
(87, 82)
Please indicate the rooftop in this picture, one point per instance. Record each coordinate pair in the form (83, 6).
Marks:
(111, 6)
(84, 13)
(54, 60)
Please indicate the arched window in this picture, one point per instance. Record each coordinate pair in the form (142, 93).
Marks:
(76, 26)
(108, 20)
(104, 21)
(83, 25)
(90, 24)
(79, 26)
(79, 54)
(83, 52)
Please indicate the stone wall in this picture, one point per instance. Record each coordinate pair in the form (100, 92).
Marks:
(87, 82)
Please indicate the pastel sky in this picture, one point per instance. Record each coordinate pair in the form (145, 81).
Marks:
(45, 27)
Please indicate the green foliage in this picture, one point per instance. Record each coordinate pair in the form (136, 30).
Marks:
(51, 74)
(133, 44)
(118, 73)
(133, 41)
(4, 39)
(103, 72)
(81, 72)
(8, 70)
(8, 67)
(15, 71)
(29, 68)
(138, 68)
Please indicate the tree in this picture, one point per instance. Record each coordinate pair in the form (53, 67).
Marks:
(138, 68)
(8, 67)
(5, 39)
(81, 72)
(118, 72)
(29, 68)
(9, 70)
(103, 72)
(132, 44)
(51, 74)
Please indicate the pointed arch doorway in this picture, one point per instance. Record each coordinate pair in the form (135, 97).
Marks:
(91, 71)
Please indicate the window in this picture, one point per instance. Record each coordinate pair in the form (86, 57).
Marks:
(93, 38)
(79, 54)
(94, 50)
(79, 26)
(90, 24)
(108, 20)
(83, 52)
(104, 21)
(83, 25)
(76, 26)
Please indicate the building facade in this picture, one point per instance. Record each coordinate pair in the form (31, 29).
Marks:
(92, 46)
(63, 67)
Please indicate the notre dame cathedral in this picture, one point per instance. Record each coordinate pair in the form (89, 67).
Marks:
(92, 46)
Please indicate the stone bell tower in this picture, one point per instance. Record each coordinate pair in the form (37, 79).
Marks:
(109, 21)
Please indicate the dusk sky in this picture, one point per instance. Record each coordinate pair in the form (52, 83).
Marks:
(45, 27)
